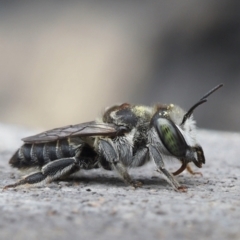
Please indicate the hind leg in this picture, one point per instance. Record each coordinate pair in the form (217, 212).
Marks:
(50, 172)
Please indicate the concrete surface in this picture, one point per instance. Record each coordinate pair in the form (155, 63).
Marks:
(98, 205)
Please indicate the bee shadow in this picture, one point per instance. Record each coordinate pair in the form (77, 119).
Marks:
(114, 180)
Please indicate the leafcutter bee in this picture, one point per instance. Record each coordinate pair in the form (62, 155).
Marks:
(126, 136)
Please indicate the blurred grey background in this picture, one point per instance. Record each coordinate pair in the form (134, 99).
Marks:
(63, 62)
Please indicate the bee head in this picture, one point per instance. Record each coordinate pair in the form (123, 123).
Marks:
(179, 141)
(176, 132)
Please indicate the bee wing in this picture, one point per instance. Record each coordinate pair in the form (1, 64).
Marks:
(82, 130)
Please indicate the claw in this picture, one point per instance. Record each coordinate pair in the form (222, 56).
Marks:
(10, 186)
(189, 169)
(136, 184)
(15, 184)
(182, 189)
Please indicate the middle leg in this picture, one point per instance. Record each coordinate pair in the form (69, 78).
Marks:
(110, 151)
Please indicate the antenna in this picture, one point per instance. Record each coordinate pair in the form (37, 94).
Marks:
(201, 101)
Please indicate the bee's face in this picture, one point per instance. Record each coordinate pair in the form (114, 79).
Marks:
(178, 136)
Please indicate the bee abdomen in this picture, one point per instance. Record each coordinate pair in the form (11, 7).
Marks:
(37, 155)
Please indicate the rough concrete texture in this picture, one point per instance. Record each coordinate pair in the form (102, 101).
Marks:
(98, 205)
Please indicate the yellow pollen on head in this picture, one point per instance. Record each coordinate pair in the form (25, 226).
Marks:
(141, 110)
(170, 106)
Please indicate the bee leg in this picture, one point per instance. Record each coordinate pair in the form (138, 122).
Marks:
(107, 149)
(33, 178)
(121, 169)
(140, 158)
(154, 153)
(189, 169)
(51, 171)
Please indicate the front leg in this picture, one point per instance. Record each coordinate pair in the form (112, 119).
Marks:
(156, 156)
(110, 151)
(189, 169)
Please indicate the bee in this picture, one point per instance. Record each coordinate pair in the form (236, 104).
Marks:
(126, 136)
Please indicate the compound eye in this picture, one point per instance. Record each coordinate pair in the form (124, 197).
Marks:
(171, 137)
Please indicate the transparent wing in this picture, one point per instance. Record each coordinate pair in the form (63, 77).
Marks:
(82, 129)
